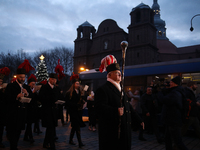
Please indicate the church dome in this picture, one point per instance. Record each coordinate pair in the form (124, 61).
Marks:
(159, 22)
(141, 6)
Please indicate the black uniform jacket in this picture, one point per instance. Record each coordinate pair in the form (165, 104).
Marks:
(74, 107)
(48, 97)
(32, 108)
(17, 111)
(107, 102)
(3, 108)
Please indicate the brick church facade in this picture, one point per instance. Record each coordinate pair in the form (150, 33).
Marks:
(146, 37)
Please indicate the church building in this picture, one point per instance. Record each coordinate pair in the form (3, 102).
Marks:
(147, 41)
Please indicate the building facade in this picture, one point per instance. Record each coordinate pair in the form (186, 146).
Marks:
(150, 55)
(146, 36)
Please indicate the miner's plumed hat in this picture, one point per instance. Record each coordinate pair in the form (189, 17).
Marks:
(112, 67)
(74, 78)
(59, 70)
(109, 63)
(25, 66)
(32, 78)
(4, 71)
(53, 75)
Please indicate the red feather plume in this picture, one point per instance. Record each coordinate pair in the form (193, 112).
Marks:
(44, 82)
(74, 76)
(26, 65)
(5, 71)
(32, 76)
(106, 61)
(59, 69)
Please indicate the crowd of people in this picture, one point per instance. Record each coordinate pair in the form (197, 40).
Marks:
(167, 111)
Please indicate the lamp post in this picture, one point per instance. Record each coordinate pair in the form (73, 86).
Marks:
(191, 29)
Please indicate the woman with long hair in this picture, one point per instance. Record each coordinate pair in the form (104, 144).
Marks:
(74, 104)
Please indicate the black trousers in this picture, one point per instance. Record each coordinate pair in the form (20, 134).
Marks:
(1, 132)
(28, 133)
(13, 136)
(78, 134)
(92, 116)
(174, 133)
(151, 125)
(67, 113)
(50, 136)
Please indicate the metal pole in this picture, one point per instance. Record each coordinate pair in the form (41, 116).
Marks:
(124, 45)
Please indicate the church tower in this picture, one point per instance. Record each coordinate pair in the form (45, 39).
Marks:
(159, 23)
(83, 43)
(142, 36)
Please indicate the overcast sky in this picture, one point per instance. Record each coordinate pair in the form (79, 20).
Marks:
(35, 25)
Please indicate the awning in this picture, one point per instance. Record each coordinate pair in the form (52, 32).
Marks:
(165, 69)
(170, 67)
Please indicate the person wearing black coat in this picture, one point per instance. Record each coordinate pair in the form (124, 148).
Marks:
(17, 111)
(193, 109)
(172, 114)
(31, 111)
(91, 112)
(74, 104)
(2, 112)
(149, 109)
(109, 111)
(48, 96)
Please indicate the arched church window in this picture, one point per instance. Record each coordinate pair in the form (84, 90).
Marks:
(107, 28)
(164, 33)
(106, 45)
(160, 33)
(138, 16)
(138, 37)
(91, 35)
(81, 34)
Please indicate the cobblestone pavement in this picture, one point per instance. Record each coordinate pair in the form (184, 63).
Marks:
(90, 139)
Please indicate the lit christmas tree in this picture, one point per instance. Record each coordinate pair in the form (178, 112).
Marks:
(41, 73)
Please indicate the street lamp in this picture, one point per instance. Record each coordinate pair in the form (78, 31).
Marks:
(82, 68)
(191, 29)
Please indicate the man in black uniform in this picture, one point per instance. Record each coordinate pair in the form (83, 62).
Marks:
(2, 109)
(48, 96)
(109, 110)
(16, 113)
(31, 110)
